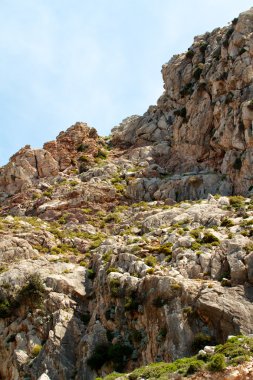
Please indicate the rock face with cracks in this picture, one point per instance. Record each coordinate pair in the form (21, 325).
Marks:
(116, 252)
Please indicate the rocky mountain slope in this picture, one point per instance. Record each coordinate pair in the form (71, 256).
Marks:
(122, 251)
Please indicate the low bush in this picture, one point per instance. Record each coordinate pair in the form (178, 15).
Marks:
(5, 308)
(236, 201)
(102, 154)
(190, 54)
(226, 222)
(36, 350)
(131, 303)
(33, 292)
(91, 274)
(150, 261)
(235, 351)
(209, 238)
(217, 363)
(248, 247)
(112, 217)
(115, 287)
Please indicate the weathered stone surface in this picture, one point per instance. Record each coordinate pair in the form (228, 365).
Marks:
(131, 249)
(24, 167)
(204, 116)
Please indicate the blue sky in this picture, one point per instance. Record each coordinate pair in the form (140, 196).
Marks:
(96, 61)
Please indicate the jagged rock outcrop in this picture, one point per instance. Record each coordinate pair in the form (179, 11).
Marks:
(63, 154)
(24, 167)
(204, 118)
(78, 138)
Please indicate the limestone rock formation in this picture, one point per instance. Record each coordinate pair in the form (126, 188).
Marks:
(119, 252)
(203, 120)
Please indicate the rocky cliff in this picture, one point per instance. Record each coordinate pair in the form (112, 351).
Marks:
(118, 252)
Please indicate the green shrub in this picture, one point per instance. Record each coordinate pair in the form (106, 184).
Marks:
(131, 303)
(96, 243)
(36, 350)
(217, 363)
(190, 54)
(150, 261)
(112, 269)
(246, 223)
(236, 201)
(73, 183)
(184, 367)
(187, 310)
(113, 376)
(248, 247)
(195, 246)
(112, 217)
(153, 370)
(209, 238)
(84, 158)
(63, 219)
(194, 366)
(40, 248)
(203, 47)
(3, 269)
(195, 233)
(164, 248)
(86, 210)
(48, 193)
(102, 154)
(33, 292)
(226, 222)
(91, 274)
(176, 286)
(236, 349)
(5, 308)
(115, 287)
(119, 187)
(107, 257)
